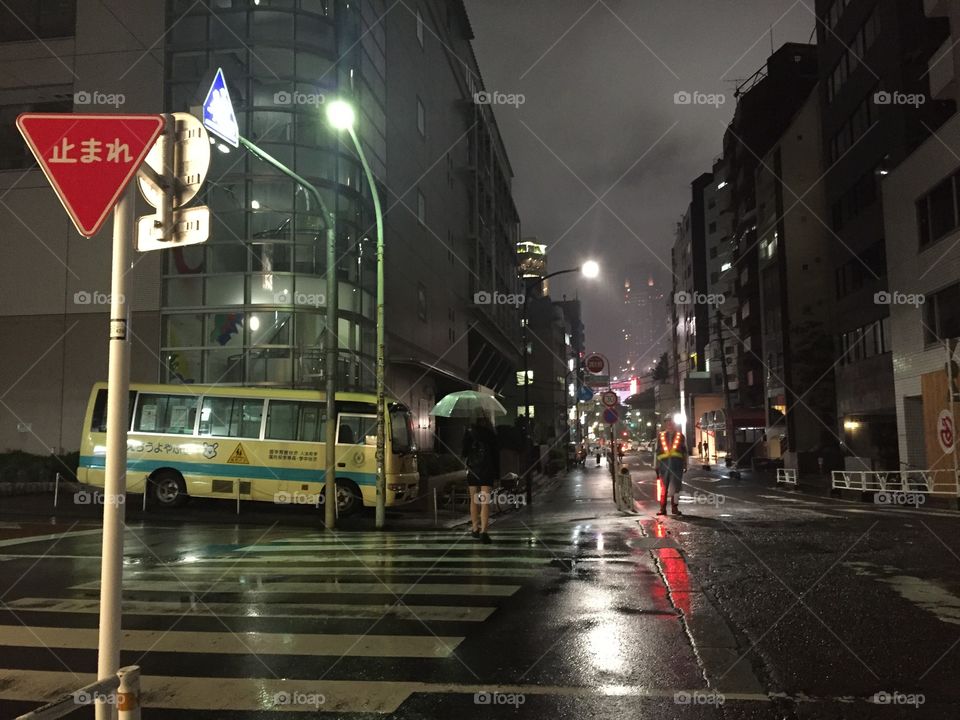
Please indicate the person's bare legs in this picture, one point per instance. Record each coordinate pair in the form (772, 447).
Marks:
(474, 509)
(487, 492)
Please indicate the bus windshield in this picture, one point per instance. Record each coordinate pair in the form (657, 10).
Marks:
(401, 430)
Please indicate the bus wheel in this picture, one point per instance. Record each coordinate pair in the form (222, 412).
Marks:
(349, 499)
(169, 489)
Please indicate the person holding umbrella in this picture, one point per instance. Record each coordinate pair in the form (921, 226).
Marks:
(480, 453)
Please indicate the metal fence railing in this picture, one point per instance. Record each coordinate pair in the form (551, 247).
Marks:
(908, 481)
(122, 690)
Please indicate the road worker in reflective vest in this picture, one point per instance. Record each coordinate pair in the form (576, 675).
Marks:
(671, 464)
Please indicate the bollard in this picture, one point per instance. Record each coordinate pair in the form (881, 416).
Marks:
(56, 490)
(128, 694)
(238, 497)
(436, 518)
(146, 486)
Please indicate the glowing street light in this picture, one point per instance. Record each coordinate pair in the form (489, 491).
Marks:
(342, 116)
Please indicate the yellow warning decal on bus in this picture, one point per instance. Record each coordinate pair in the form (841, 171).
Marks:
(238, 456)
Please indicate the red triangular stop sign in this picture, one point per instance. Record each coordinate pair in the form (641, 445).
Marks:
(89, 159)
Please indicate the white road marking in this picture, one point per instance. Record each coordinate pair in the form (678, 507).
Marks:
(314, 588)
(241, 643)
(338, 696)
(377, 558)
(347, 547)
(54, 536)
(451, 613)
(272, 570)
(923, 593)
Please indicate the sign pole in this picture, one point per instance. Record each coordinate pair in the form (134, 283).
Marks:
(114, 493)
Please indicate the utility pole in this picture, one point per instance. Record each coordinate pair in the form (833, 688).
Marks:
(723, 367)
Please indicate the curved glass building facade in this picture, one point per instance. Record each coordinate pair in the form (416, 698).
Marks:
(248, 307)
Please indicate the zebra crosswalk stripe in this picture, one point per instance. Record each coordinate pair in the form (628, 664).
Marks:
(410, 646)
(404, 611)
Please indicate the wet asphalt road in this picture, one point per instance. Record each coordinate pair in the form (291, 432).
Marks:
(757, 603)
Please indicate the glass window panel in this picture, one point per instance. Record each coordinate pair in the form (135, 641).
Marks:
(225, 290)
(227, 28)
(315, 163)
(270, 289)
(189, 65)
(225, 330)
(185, 260)
(271, 196)
(272, 26)
(228, 227)
(271, 225)
(321, 7)
(182, 366)
(316, 32)
(228, 258)
(272, 62)
(313, 66)
(942, 217)
(309, 329)
(223, 366)
(183, 331)
(232, 60)
(308, 259)
(231, 417)
(270, 366)
(182, 292)
(271, 257)
(270, 328)
(191, 30)
(272, 126)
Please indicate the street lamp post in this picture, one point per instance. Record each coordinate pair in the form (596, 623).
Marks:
(590, 269)
(330, 459)
(342, 116)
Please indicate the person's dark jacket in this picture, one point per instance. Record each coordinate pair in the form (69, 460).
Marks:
(481, 454)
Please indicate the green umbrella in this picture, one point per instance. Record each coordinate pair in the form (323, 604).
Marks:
(467, 403)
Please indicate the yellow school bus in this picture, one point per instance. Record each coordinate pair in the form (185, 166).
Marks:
(259, 443)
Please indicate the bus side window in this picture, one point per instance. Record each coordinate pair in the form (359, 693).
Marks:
(357, 430)
(231, 417)
(172, 414)
(98, 420)
(292, 420)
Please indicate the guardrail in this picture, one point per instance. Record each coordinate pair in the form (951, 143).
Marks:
(123, 690)
(908, 481)
(786, 476)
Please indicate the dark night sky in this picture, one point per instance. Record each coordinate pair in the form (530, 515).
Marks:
(600, 99)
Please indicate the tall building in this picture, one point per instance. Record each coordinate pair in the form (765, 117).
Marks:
(692, 309)
(873, 60)
(795, 296)
(248, 307)
(532, 264)
(766, 104)
(920, 206)
(642, 332)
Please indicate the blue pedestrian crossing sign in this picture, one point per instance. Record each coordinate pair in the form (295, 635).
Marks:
(218, 115)
(585, 394)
